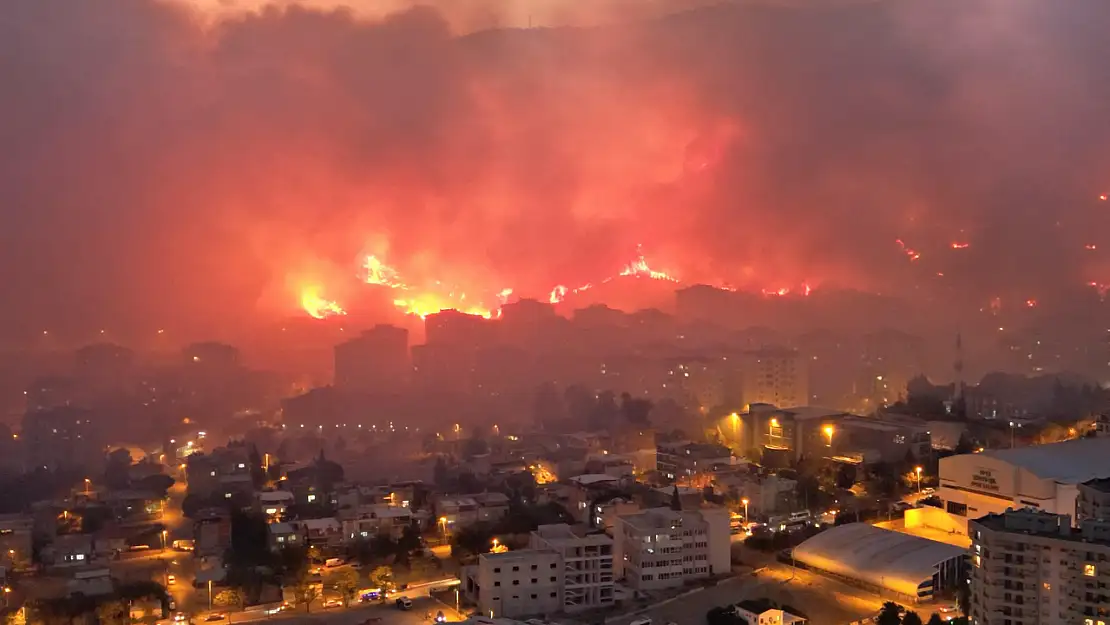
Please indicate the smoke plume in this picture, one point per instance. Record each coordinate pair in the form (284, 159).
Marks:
(194, 164)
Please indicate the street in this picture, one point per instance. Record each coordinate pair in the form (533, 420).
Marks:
(823, 600)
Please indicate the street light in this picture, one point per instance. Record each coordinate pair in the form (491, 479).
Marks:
(443, 526)
(88, 483)
(164, 540)
(209, 595)
(745, 502)
(829, 430)
(917, 470)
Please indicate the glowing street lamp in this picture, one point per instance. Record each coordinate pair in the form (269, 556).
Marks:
(88, 485)
(443, 526)
(917, 470)
(745, 502)
(829, 431)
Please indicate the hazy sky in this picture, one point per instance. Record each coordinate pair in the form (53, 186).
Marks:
(164, 166)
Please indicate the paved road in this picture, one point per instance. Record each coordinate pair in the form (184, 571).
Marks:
(824, 600)
(358, 613)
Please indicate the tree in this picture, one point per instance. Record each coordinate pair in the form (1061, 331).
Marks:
(258, 474)
(382, 578)
(305, 592)
(636, 411)
(344, 583)
(964, 445)
(676, 501)
(159, 484)
(440, 475)
(911, 618)
(935, 619)
(890, 614)
(232, 599)
(845, 476)
(963, 597)
(117, 472)
(113, 612)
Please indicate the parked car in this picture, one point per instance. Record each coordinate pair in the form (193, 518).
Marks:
(404, 603)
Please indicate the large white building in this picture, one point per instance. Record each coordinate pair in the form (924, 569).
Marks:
(515, 583)
(1043, 477)
(885, 560)
(565, 569)
(1033, 568)
(664, 548)
(587, 560)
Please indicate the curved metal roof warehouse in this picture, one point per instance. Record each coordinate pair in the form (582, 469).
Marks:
(890, 560)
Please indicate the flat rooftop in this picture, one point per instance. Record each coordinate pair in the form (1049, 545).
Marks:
(1070, 462)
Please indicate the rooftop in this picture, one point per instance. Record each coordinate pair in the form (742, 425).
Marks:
(1069, 462)
(591, 479)
(1102, 485)
(883, 558)
(562, 533)
(807, 413)
(1032, 522)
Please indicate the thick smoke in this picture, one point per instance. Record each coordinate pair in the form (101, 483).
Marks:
(166, 165)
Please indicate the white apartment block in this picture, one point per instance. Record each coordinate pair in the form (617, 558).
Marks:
(1033, 568)
(379, 519)
(587, 560)
(663, 548)
(515, 583)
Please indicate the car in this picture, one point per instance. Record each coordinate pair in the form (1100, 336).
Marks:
(404, 603)
(928, 491)
(170, 579)
(180, 617)
(333, 603)
(440, 618)
(214, 617)
(372, 620)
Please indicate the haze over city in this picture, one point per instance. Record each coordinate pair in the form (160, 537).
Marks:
(399, 278)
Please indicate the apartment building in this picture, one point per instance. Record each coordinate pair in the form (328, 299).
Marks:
(1032, 568)
(378, 519)
(1093, 501)
(587, 561)
(454, 513)
(515, 583)
(663, 548)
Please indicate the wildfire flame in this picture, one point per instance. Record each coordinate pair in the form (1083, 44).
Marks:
(317, 306)
(960, 246)
(911, 253)
(427, 300)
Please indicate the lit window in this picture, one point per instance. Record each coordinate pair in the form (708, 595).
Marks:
(227, 495)
(1089, 570)
(1047, 586)
(311, 498)
(978, 561)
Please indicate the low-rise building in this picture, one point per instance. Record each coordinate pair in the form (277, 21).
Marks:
(211, 532)
(458, 512)
(274, 503)
(763, 612)
(516, 583)
(587, 561)
(16, 540)
(1034, 568)
(69, 550)
(664, 548)
(1093, 501)
(322, 533)
(284, 535)
(379, 519)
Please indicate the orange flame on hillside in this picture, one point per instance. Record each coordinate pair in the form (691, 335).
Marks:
(437, 297)
(960, 246)
(318, 307)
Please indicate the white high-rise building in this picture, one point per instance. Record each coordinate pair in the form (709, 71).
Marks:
(663, 548)
(1033, 568)
(587, 560)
